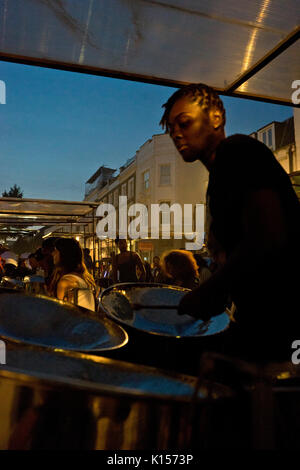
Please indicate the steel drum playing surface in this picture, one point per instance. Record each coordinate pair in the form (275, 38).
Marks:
(118, 302)
(41, 321)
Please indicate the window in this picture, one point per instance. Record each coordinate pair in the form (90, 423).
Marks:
(165, 174)
(164, 214)
(131, 188)
(123, 189)
(266, 136)
(270, 138)
(146, 180)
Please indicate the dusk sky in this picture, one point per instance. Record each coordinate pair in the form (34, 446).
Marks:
(58, 127)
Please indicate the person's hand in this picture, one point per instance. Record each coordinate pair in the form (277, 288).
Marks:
(205, 302)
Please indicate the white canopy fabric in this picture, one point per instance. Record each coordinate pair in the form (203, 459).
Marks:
(246, 48)
(38, 212)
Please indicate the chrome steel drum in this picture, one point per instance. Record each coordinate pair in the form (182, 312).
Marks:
(160, 337)
(68, 400)
(119, 303)
(12, 283)
(42, 321)
(34, 284)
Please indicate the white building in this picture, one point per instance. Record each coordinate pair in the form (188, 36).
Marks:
(283, 138)
(155, 175)
(280, 138)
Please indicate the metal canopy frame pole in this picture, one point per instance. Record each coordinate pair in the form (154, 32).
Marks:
(94, 229)
(47, 63)
(275, 52)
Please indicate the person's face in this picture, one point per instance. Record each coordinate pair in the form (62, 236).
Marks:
(191, 128)
(156, 262)
(33, 262)
(56, 256)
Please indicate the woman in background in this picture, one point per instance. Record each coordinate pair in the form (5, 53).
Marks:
(181, 268)
(71, 275)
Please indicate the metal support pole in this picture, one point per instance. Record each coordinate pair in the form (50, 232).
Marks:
(94, 230)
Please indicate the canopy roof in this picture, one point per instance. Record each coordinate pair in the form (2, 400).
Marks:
(245, 48)
(40, 212)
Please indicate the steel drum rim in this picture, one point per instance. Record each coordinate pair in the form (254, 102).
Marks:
(149, 284)
(51, 381)
(76, 310)
(54, 348)
(140, 284)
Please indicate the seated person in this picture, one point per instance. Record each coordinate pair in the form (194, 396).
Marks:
(70, 276)
(180, 267)
(46, 263)
(157, 273)
(24, 268)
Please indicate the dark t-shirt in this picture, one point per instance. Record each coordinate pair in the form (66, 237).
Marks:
(127, 268)
(267, 313)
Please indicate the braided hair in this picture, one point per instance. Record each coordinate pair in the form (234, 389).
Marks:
(207, 98)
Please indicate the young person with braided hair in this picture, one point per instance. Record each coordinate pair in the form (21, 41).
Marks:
(254, 217)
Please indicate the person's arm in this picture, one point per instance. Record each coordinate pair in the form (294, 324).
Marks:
(63, 286)
(140, 264)
(264, 233)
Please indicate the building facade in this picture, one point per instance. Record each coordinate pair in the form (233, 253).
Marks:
(283, 138)
(156, 175)
(280, 138)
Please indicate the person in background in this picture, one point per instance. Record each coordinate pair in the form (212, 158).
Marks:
(1, 261)
(181, 268)
(10, 261)
(157, 273)
(32, 259)
(148, 276)
(71, 280)
(203, 271)
(24, 268)
(46, 263)
(125, 263)
(88, 260)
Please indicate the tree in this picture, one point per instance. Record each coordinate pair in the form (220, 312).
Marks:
(15, 191)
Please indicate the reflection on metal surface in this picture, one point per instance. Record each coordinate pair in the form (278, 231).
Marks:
(69, 400)
(43, 321)
(118, 302)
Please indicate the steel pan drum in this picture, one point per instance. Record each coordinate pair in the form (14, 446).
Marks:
(118, 302)
(160, 338)
(69, 400)
(42, 321)
(12, 283)
(34, 284)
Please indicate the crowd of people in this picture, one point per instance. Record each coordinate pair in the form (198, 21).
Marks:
(66, 270)
(59, 264)
(176, 267)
